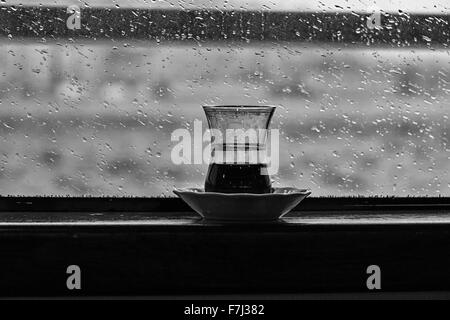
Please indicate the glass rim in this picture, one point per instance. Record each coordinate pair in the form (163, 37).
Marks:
(267, 108)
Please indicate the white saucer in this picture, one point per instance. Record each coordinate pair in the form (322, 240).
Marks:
(242, 207)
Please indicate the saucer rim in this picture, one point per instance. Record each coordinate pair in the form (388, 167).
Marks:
(200, 191)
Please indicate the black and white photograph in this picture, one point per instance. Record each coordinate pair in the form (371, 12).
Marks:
(228, 157)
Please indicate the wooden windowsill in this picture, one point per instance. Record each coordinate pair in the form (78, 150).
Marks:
(174, 253)
(299, 220)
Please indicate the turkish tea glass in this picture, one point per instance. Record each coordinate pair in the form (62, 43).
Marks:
(238, 149)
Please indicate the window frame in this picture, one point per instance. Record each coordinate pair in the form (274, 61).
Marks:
(46, 226)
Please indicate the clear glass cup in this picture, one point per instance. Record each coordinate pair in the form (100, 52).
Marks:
(238, 149)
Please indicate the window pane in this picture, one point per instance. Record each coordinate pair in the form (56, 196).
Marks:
(96, 117)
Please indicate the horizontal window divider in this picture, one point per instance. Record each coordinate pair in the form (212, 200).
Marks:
(243, 27)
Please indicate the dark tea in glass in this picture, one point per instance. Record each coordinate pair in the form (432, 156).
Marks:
(241, 178)
(238, 149)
